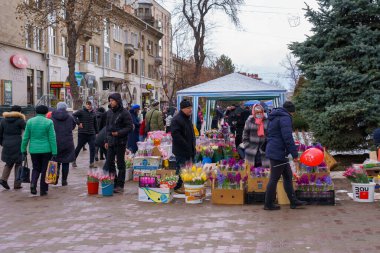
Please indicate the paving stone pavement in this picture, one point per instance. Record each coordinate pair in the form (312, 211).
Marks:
(68, 220)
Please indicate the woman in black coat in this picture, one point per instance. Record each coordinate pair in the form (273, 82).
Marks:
(133, 137)
(64, 124)
(11, 129)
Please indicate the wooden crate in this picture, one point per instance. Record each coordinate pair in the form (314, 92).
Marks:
(257, 184)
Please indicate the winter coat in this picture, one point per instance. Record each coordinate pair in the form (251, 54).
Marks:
(11, 128)
(133, 136)
(280, 142)
(155, 120)
(183, 136)
(101, 137)
(64, 124)
(101, 119)
(118, 120)
(252, 143)
(236, 121)
(88, 120)
(40, 136)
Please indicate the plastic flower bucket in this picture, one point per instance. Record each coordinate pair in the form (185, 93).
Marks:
(363, 192)
(194, 194)
(107, 189)
(206, 160)
(92, 188)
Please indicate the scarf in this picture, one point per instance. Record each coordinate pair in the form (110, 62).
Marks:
(258, 115)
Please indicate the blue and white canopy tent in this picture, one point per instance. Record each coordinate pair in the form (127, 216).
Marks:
(232, 87)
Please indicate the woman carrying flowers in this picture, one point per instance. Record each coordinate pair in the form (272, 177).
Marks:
(254, 137)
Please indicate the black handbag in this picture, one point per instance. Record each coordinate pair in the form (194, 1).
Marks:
(23, 174)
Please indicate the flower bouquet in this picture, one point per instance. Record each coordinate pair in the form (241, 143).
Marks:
(258, 179)
(169, 182)
(92, 182)
(194, 179)
(259, 172)
(207, 154)
(356, 175)
(107, 181)
(232, 165)
(232, 180)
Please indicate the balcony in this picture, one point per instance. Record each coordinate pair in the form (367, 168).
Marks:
(129, 50)
(84, 67)
(146, 17)
(158, 61)
(128, 77)
(86, 35)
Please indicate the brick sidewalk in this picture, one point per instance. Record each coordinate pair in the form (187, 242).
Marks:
(68, 220)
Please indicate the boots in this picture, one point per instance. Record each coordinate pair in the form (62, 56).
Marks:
(4, 184)
(272, 207)
(33, 189)
(296, 202)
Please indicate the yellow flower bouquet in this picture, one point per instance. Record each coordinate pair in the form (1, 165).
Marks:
(193, 175)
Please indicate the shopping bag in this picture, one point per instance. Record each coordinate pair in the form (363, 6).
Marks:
(51, 173)
(23, 173)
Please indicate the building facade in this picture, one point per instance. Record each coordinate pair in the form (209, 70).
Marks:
(122, 58)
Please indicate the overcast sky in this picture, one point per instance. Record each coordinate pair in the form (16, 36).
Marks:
(268, 26)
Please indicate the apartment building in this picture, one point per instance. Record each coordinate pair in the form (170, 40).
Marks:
(122, 58)
(157, 16)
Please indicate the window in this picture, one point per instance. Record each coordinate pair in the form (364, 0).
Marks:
(28, 36)
(127, 65)
(106, 33)
(134, 66)
(39, 39)
(142, 67)
(134, 40)
(63, 9)
(106, 85)
(117, 61)
(151, 71)
(82, 53)
(117, 33)
(64, 46)
(40, 76)
(156, 50)
(150, 47)
(97, 55)
(126, 37)
(107, 57)
(52, 33)
(160, 48)
(92, 53)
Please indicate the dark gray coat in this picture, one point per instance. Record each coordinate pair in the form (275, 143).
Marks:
(64, 124)
(252, 142)
(11, 128)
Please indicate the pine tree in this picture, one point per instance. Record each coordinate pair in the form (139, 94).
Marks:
(341, 62)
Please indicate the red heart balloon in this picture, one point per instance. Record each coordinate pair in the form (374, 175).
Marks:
(312, 157)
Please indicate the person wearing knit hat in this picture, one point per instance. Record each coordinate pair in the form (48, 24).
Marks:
(183, 138)
(280, 144)
(11, 128)
(39, 135)
(64, 124)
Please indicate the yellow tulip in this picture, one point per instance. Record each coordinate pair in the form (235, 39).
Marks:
(204, 177)
(199, 170)
(193, 169)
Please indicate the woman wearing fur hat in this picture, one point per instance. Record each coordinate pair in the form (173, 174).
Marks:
(40, 136)
(254, 137)
(11, 129)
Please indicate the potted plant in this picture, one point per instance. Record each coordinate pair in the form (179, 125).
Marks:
(363, 190)
(92, 182)
(194, 181)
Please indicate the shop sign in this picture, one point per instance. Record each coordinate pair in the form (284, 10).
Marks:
(58, 85)
(19, 61)
(79, 77)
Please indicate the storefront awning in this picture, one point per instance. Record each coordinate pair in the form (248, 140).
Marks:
(113, 79)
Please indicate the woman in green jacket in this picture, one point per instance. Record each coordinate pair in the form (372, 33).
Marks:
(40, 136)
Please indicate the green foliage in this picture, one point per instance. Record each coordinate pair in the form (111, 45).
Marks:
(299, 123)
(224, 65)
(341, 63)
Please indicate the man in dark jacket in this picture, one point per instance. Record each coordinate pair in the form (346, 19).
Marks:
(133, 136)
(238, 122)
(183, 137)
(119, 125)
(11, 128)
(280, 144)
(88, 128)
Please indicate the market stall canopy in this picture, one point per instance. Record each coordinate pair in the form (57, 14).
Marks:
(251, 102)
(234, 86)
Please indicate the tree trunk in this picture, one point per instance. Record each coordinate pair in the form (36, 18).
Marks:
(72, 48)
